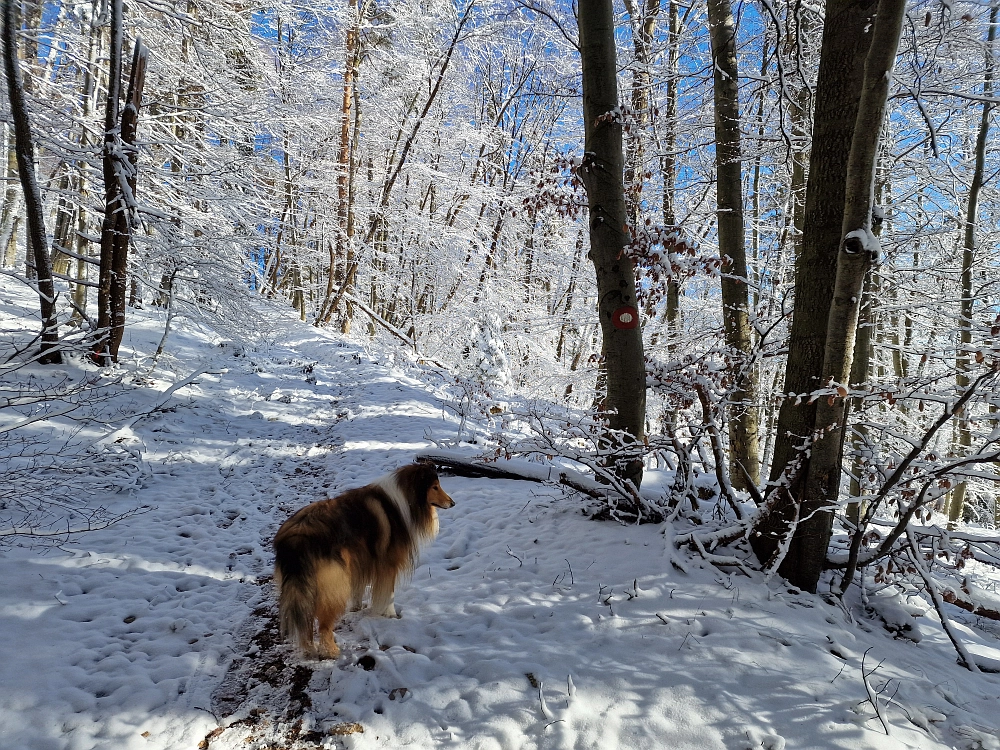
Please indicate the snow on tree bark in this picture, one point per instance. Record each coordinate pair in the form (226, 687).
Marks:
(602, 174)
(25, 150)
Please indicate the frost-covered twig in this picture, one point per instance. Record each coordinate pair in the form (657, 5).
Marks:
(918, 447)
(92, 524)
(932, 589)
(715, 438)
(873, 694)
(160, 401)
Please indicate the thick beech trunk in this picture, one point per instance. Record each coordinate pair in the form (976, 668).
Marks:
(602, 172)
(857, 248)
(838, 91)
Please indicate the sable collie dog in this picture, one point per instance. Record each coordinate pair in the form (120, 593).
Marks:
(328, 553)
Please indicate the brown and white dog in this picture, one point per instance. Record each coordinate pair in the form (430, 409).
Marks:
(328, 553)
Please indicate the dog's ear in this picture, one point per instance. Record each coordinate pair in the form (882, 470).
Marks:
(427, 469)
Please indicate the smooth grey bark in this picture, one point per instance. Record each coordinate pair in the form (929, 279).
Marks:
(744, 451)
(25, 150)
(860, 367)
(857, 251)
(602, 175)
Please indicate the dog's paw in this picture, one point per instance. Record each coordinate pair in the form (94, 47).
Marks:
(390, 612)
(327, 649)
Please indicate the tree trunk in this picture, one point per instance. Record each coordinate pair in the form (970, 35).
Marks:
(12, 200)
(601, 172)
(744, 456)
(668, 165)
(800, 24)
(838, 91)
(340, 249)
(963, 362)
(120, 158)
(350, 260)
(857, 251)
(24, 145)
(113, 210)
(88, 103)
(860, 367)
(643, 25)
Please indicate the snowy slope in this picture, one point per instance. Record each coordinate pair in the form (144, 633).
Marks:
(525, 625)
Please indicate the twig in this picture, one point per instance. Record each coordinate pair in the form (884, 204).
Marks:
(164, 397)
(872, 693)
(963, 654)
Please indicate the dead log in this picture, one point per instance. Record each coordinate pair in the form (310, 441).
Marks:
(953, 597)
(464, 467)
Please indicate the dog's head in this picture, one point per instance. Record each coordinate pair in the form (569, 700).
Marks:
(423, 478)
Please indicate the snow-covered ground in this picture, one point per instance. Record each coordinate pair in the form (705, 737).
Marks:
(525, 625)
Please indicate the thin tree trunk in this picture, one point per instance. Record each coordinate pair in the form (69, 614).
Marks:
(668, 164)
(9, 226)
(58, 260)
(643, 26)
(24, 145)
(87, 106)
(13, 200)
(744, 452)
(799, 114)
(330, 305)
(113, 208)
(602, 176)
(963, 362)
(339, 249)
(351, 264)
(123, 234)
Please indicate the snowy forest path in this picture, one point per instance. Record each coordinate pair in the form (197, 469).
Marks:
(524, 624)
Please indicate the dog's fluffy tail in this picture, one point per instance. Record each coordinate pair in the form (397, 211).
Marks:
(296, 598)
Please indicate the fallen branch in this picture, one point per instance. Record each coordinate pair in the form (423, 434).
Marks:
(381, 321)
(964, 658)
(952, 597)
(713, 539)
(163, 398)
(464, 467)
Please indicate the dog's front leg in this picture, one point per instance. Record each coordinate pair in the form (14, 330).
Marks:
(383, 603)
